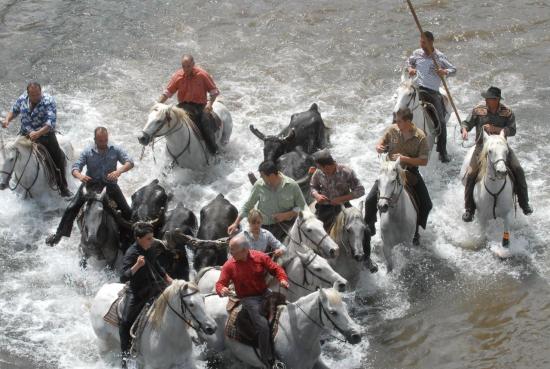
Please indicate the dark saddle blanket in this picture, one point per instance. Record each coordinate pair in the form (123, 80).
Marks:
(239, 326)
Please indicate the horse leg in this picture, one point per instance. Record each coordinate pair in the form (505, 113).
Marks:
(506, 233)
(387, 248)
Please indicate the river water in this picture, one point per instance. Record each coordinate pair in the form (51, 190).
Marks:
(449, 303)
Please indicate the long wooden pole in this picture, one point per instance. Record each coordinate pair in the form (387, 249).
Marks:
(435, 62)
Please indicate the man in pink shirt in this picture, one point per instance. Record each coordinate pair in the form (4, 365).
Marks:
(193, 85)
(247, 270)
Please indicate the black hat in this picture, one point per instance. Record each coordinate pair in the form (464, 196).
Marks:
(323, 157)
(492, 93)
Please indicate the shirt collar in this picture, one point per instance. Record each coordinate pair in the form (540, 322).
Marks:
(94, 147)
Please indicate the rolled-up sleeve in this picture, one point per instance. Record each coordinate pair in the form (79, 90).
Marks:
(272, 242)
(299, 201)
(225, 278)
(251, 201)
(122, 156)
(81, 161)
(273, 268)
(51, 113)
(411, 61)
(210, 85)
(470, 122)
(357, 189)
(446, 64)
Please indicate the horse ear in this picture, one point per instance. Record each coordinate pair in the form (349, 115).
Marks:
(503, 133)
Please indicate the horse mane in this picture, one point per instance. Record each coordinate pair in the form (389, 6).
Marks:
(333, 296)
(341, 221)
(161, 303)
(181, 115)
(482, 160)
(389, 165)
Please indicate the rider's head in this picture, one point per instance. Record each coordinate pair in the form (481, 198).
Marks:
(324, 160)
(255, 219)
(143, 232)
(34, 91)
(403, 118)
(427, 41)
(101, 137)
(492, 98)
(187, 63)
(238, 247)
(269, 173)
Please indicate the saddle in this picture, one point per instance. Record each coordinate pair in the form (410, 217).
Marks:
(114, 313)
(53, 173)
(239, 326)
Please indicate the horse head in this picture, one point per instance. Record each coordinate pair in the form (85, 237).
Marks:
(493, 157)
(334, 314)
(354, 232)
(390, 184)
(162, 120)
(93, 216)
(274, 145)
(318, 272)
(10, 155)
(183, 299)
(406, 95)
(309, 231)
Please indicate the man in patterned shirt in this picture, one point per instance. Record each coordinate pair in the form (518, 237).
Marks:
(38, 119)
(405, 141)
(192, 85)
(420, 64)
(333, 186)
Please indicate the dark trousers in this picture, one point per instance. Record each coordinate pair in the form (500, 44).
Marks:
(204, 121)
(520, 184)
(113, 191)
(132, 307)
(420, 191)
(49, 141)
(279, 230)
(435, 98)
(253, 306)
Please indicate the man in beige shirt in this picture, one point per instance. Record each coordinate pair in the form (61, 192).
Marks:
(408, 143)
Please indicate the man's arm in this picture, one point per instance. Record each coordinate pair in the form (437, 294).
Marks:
(171, 89)
(249, 204)
(274, 269)
(450, 70)
(213, 91)
(13, 113)
(78, 165)
(510, 129)
(34, 135)
(223, 282)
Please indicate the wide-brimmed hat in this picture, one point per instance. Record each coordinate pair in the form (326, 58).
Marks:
(492, 93)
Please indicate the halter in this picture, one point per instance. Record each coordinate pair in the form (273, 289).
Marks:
(300, 232)
(391, 200)
(497, 194)
(305, 266)
(412, 98)
(18, 180)
(184, 309)
(320, 324)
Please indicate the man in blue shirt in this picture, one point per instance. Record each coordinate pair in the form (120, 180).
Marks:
(38, 119)
(420, 64)
(101, 172)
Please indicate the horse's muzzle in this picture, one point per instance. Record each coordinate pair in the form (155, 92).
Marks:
(144, 139)
(3, 186)
(353, 337)
(341, 286)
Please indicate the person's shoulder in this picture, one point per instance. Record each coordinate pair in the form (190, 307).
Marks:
(177, 74)
(47, 98)
(419, 133)
(418, 52)
(201, 71)
(289, 181)
(480, 109)
(258, 255)
(393, 128)
(504, 111)
(131, 250)
(22, 97)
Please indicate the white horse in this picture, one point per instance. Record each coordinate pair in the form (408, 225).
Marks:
(308, 232)
(408, 96)
(22, 171)
(183, 145)
(493, 193)
(301, 323)
(397, 213)
(349, 232)
(306, 271)
(165, 341)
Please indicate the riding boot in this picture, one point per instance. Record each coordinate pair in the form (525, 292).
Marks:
(367, 261)
(208, 131)
(469, 202)
(520, 183)
(371, 208)
(115, 193)
(66, 224)
(49, 141)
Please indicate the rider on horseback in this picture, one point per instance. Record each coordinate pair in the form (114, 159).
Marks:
(279, 199)
(247, 269)
(38, 119)
(493, 116)
(407, 142)
(143, 272)
(420, 64)
(261, 239)
(334, 185)
(101, 162)
(192, 85)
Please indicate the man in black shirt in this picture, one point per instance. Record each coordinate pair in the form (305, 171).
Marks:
(146, 277)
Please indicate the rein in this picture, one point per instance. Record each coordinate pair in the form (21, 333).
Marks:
(320, 324)
(300, 232)
(497, 194)
(18, 180)
(391, 200)
(305, 282)
(184, 308)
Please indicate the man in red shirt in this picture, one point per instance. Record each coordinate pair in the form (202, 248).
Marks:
(247, 270)
(192, 85)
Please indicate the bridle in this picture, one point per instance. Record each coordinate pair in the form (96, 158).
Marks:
(496, 194)
(18, 180)
(393, 198)
(300, 239)
(306, 269)
(184, 308)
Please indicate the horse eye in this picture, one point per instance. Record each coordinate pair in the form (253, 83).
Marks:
(333, 312)
(317, 269)
(308, 230)
(191, 305)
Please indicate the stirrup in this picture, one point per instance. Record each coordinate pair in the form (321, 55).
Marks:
(278, 365)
